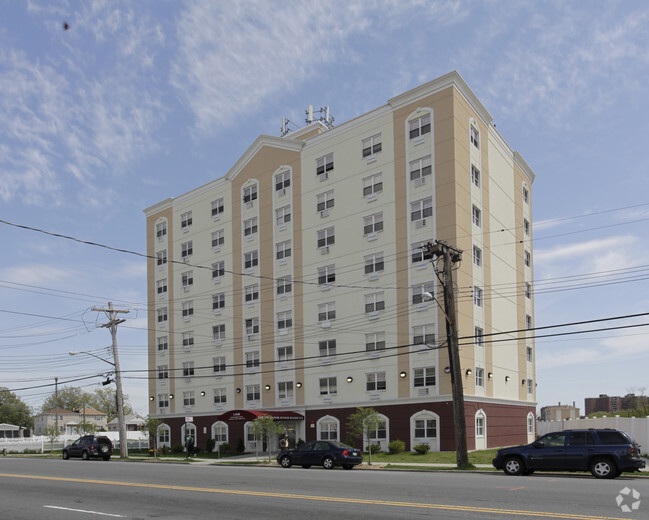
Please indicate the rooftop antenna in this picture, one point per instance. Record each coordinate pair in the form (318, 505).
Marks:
(323, 116)
(285, 128)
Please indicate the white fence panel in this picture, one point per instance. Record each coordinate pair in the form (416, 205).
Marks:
(43, 444)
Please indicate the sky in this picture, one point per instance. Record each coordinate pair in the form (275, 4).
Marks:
(140, 101)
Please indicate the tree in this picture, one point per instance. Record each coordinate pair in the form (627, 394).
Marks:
(363, 423)
(52, 434)
(13, 410)
(151, 426)
(68, 398)
(103, 400)
(264, 428)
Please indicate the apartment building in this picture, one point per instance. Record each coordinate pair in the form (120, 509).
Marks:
(293, 284)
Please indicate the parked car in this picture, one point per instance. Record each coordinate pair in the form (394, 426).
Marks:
(89, 446)
(321, 453)
(606, 453)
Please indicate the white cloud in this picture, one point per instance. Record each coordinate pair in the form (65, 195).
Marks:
(579, 251)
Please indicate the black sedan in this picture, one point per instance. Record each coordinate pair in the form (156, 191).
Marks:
(321, 453)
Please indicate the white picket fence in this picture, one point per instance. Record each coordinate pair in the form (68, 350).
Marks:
(43, 444)
(637, 427)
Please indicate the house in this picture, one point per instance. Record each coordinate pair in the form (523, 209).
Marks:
(67, 421)
(134, 422)
(297, 284)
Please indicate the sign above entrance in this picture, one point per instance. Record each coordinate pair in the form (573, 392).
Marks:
(251, 415)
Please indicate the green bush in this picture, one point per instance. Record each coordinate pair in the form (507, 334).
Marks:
(396, 446)
(209, 445)
(177, 448)
(225, 448)
(241, 447)
(299, 443)
(374, 448)
(422, 449)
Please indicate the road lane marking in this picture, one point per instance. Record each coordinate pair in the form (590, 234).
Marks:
(83, 511)
(419, 505)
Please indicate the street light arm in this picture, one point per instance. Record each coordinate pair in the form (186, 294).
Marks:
(76, 352)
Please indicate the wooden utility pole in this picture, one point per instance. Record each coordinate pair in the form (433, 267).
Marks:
(449, 256)
(112, 324)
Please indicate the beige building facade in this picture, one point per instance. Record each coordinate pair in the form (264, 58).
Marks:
(293, 284)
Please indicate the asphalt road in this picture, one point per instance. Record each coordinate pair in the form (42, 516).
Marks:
(34, 489)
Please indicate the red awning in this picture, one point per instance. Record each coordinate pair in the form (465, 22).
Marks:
(251, 415)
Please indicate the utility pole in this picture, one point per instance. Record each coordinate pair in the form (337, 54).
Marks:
(56, 408)
(112, 324)
(449, 256)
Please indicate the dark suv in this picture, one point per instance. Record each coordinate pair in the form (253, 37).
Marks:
(605, 453)
(89, 446)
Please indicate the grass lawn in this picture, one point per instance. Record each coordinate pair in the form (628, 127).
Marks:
(432, 457)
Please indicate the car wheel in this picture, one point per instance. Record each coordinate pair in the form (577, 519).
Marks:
(107, 457)
(65, 455)
(328, 463)
(85, 455)
(306, 466)
(513, 466)
(603, 468)
(285, 461)
(348, 466)
(104, 449)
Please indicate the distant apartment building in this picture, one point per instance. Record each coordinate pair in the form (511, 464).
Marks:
(560, 412)
(294, 284)
(615, 403)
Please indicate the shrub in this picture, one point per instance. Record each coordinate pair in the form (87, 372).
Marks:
(177, 448)
(209, 445)
(374, 448)
(299, 443)
(225, 448)
(240, 446)
(422, 449)
(397, 446)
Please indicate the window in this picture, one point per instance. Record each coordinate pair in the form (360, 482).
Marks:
(161, 257)
(381, 431)
(530, 386)
(219, 364)
(328, 430)
(252, 292)
(479, 376)
(528, 354)
(252, 326)
(252, 393)
(375, 381)
(326, 237)
(161, 230)
(163, 400)
(188, 339)
(282, 181)
(285, 389)
(163, 343)
(528, 321)
(324, 165)
(475, 137)
(476, 216)
(251, 260)
(526, 227)
(528, 290)
(162, 315)
(419, 126)
(374, 263)
(372, 184)
(375, 341)
(218, 238)
(475, 176)
(220, 396)
(423, 335)
(424, 377)
(186, 220)
(283, 215)
(528, 259)
(327, 347)
(163, 372)
(373, 223)
(188, 309)
(187, 279)
(327, 311)
(217, 207)
(421, 209)
(250, 227)
(161, 286)
(328, 386)
(419, 252)
(477, 256)
(188, 368)
(420, 168)
(418, 291)
(477, 296)
(186, 249)
(325, 201)
(478, 337)
(285, 353)
(425, 428)
(284, 285)
(326, 274)
(218, 269)
(526, 195)
(252, 359)
(250, 194)
(283, 249)
(218, 331)
(188, 398)
(479, 424)
(374, 302)
(218, 301)
(371, 145)
(284, 319)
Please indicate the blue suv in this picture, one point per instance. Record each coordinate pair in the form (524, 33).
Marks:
(606, 453)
